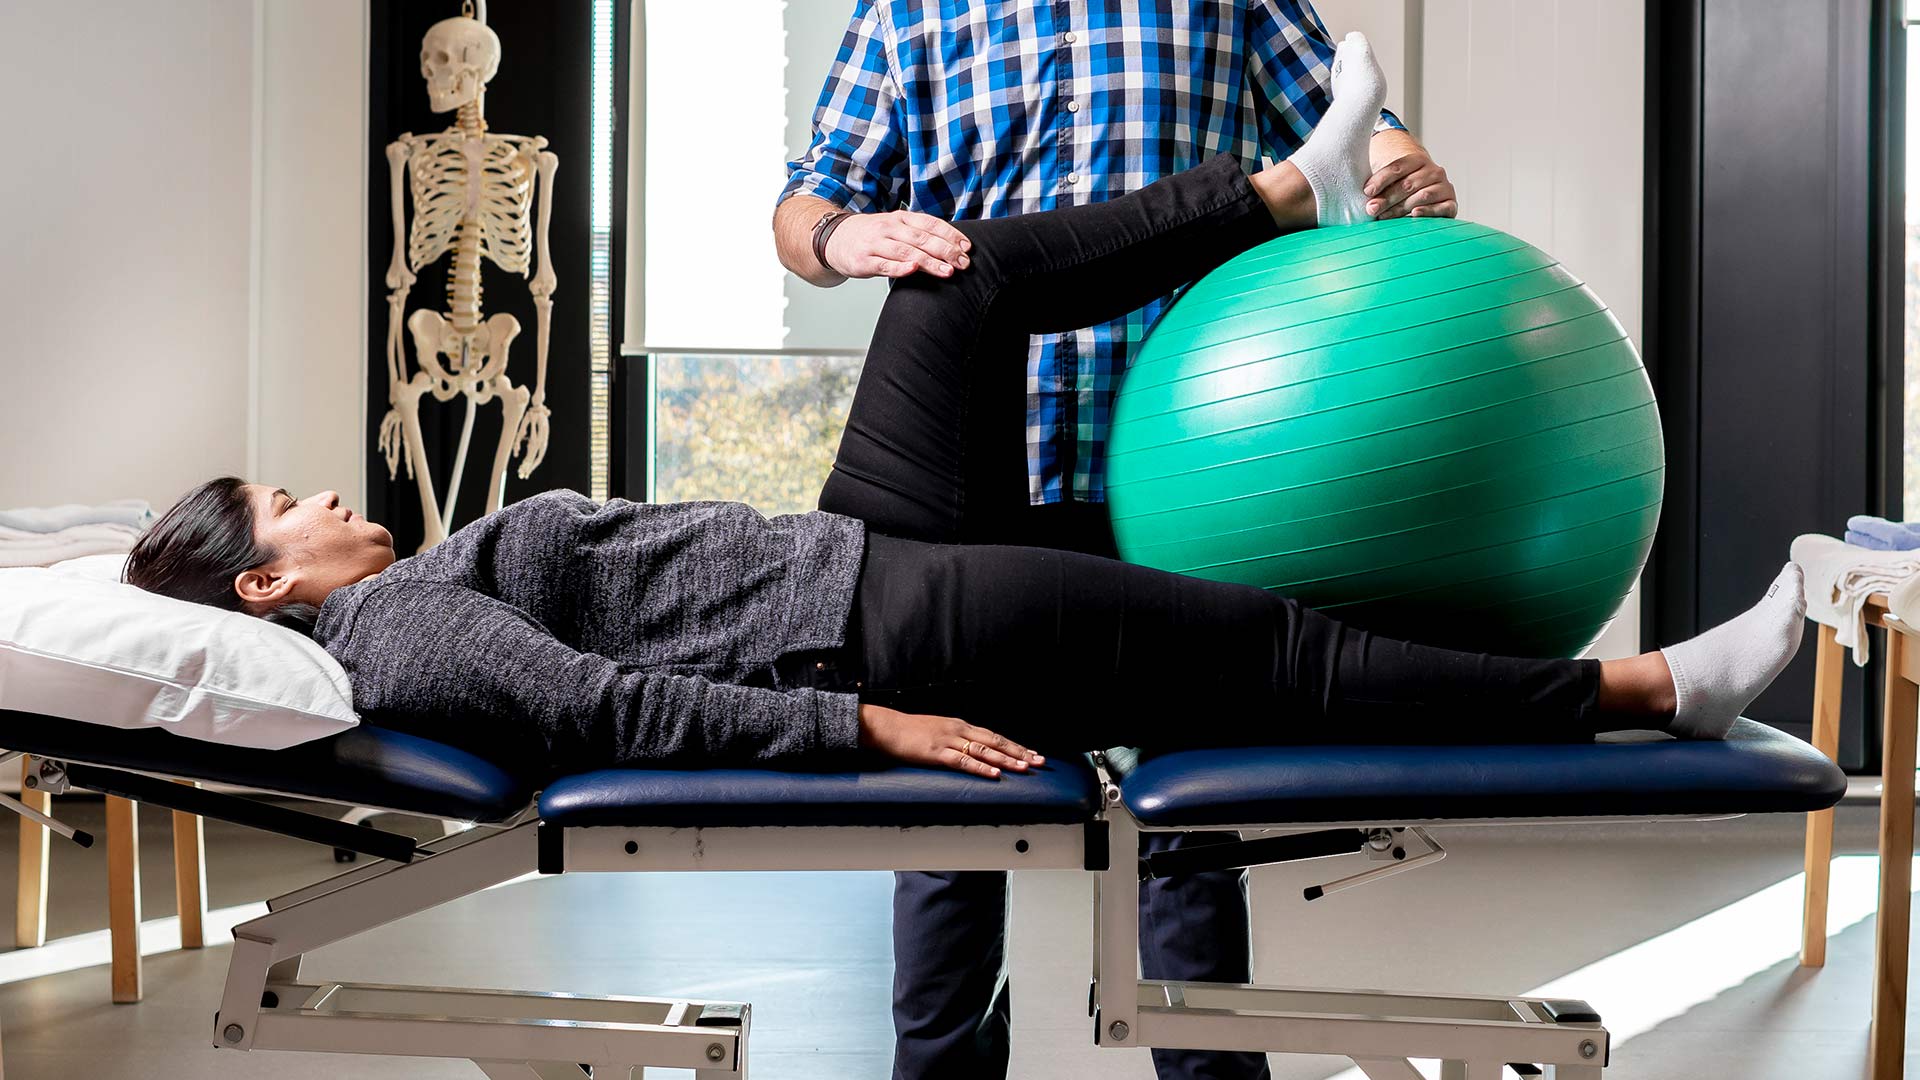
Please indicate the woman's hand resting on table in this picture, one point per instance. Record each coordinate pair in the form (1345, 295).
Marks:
(944, 741)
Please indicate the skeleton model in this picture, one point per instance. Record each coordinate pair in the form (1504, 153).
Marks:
(473, 194)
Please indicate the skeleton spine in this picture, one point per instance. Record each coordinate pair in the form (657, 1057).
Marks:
(470, 120)
(463, 284)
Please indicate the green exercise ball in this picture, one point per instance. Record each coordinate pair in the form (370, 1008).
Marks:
(1422, 427)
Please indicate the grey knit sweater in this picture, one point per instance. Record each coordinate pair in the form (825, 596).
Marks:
(623, 632)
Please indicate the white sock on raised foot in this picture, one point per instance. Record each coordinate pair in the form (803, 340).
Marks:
(1334, 159)
(1719, 673)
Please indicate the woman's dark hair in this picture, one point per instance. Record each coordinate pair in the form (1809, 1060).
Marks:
(197, 548)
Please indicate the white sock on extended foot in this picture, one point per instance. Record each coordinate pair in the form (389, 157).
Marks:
(1334, 159)
(1719, 673)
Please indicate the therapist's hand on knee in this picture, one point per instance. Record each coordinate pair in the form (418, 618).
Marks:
(896, 244)
(941, 741)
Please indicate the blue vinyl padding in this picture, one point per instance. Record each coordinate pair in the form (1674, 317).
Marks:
(1065, 791)
(1756, 770)
(366, 766)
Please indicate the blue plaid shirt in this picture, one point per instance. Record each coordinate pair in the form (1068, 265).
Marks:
(989, 108)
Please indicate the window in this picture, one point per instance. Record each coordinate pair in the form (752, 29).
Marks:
(748, 371)
(760, 429)
(600, 265)
(712, 153)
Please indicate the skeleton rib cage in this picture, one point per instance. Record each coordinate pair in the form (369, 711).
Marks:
(499, 209)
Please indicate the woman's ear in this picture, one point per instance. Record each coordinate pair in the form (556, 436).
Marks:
(262, 588)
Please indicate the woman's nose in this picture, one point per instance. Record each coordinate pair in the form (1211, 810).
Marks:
(329, 499)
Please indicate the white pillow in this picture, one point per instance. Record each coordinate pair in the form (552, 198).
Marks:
(77, 644)
(93, 567)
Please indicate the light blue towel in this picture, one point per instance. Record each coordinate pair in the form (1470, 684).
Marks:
(1882, 535)
(52, 519)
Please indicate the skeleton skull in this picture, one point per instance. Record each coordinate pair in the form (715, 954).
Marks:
(457, 58)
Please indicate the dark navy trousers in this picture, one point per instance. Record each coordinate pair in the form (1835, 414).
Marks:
(951, 996)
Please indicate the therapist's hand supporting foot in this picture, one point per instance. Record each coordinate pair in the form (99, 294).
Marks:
(1321, 184)
(1410, 183)
(1347, 172)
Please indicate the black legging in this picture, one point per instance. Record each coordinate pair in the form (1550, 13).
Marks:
(1066, 650)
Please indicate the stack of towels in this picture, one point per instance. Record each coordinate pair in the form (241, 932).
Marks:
(42, 536)
(1877, 556)
(1880, 534)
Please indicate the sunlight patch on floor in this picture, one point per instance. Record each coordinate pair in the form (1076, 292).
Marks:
(95, 948)
(1646, 984)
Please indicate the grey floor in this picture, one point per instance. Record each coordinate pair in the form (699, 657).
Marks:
(1507, 912)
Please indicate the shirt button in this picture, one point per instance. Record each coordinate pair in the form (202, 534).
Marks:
(1073, 178)
(1073, 106)
(1069, 37)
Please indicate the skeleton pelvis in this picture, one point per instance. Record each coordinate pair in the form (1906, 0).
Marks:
(473, 358)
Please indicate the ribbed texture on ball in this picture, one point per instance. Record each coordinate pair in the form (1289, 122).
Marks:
(1423, 427)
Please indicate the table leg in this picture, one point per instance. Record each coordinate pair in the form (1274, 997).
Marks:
(30, 908)
(1887, 1047)
(123, 896)
(190, 876)
(1829, 668)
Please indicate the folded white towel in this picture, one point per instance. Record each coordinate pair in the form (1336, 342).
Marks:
(70, 534)
(1903, 601)
(20, 548)
(1840, 577)
(48, 519)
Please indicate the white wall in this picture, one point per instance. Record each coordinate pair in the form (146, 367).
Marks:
(170, 154)
(123, 283)
(311, 236)
(1393, 28)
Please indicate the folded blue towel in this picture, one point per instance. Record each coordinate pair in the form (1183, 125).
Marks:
(1892, 535)
(1860, 539)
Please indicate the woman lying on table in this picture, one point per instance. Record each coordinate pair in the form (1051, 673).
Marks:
(703, 633)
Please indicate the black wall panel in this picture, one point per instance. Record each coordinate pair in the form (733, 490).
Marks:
(1767, 325)
(543, 88)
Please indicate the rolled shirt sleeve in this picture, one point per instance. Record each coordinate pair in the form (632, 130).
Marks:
(857, 156)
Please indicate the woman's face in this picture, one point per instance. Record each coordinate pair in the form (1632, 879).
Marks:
(322, 547)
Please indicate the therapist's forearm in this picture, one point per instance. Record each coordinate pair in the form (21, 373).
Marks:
(793, 222)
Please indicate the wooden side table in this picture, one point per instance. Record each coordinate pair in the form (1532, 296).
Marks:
(1886, 1052)
(123, 884)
